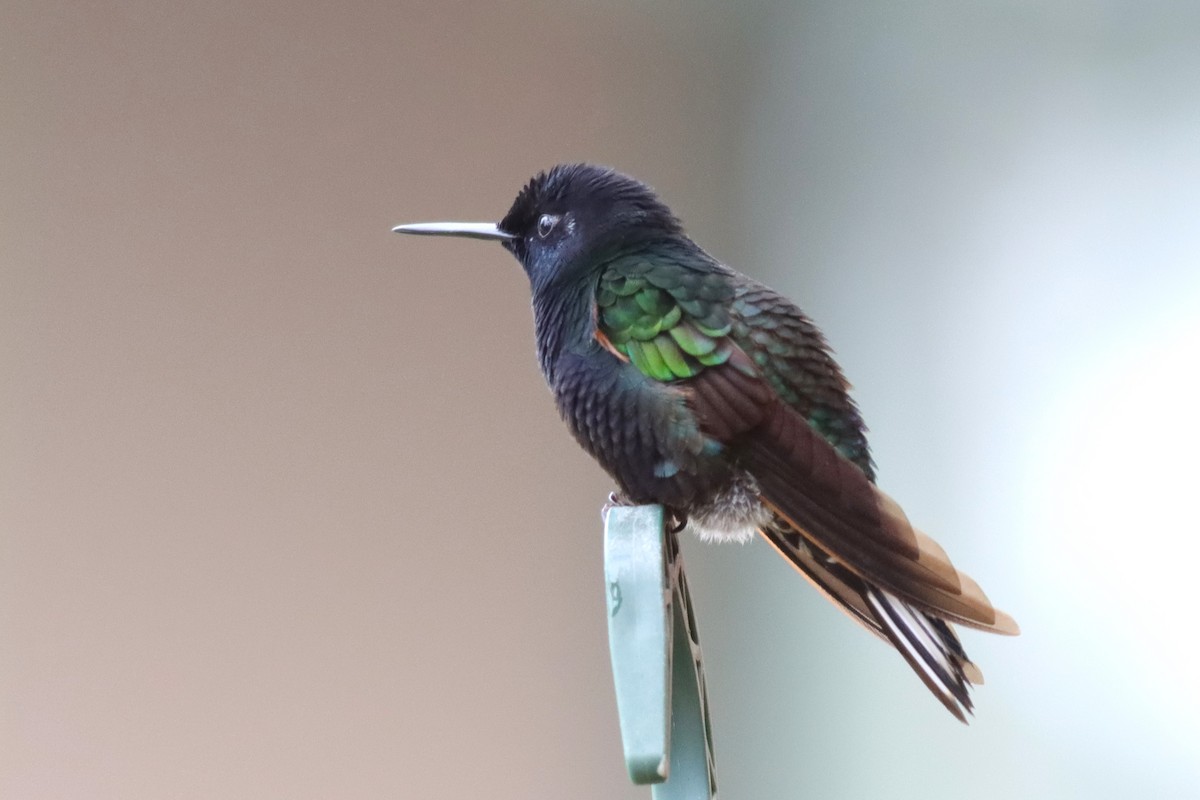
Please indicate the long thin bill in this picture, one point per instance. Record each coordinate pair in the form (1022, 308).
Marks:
(468, 230)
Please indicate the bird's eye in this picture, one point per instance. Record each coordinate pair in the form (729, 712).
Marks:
(546, 223)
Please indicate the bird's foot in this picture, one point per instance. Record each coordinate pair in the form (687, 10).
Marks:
(676, 520)
(615, 500)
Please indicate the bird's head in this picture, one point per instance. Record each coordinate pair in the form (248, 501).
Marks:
(568, 221)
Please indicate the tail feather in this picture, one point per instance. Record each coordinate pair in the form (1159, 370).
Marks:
(928, 644)
(833, 504)
(839, 586)
(934, 653)
(852, 541)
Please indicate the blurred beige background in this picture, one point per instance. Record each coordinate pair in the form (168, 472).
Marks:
(285, 508)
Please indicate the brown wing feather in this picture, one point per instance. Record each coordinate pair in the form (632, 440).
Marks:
(830, 500)
(801, 482)
(850, 540)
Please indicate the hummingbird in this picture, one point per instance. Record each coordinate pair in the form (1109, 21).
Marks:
(700, 389)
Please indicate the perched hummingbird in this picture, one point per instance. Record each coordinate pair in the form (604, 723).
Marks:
(700, 389)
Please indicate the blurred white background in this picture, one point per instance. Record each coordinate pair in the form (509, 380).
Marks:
(285, 510)
(993, 211)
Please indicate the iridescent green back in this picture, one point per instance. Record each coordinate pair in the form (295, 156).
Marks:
(673, 321)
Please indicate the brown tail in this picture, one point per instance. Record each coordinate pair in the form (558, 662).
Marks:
(850, 539)
(855, 544)
(831, 504)
(928, 644)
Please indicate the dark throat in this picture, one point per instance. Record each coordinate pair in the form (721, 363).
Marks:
(563, 323)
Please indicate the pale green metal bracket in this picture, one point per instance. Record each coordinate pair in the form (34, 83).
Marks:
(656, 661)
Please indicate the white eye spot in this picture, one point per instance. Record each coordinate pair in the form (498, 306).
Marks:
(546, 223)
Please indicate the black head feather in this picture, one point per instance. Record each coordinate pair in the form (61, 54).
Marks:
(607, 200)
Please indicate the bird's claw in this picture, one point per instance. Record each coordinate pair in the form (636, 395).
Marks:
(676, 520)
(615, 500)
